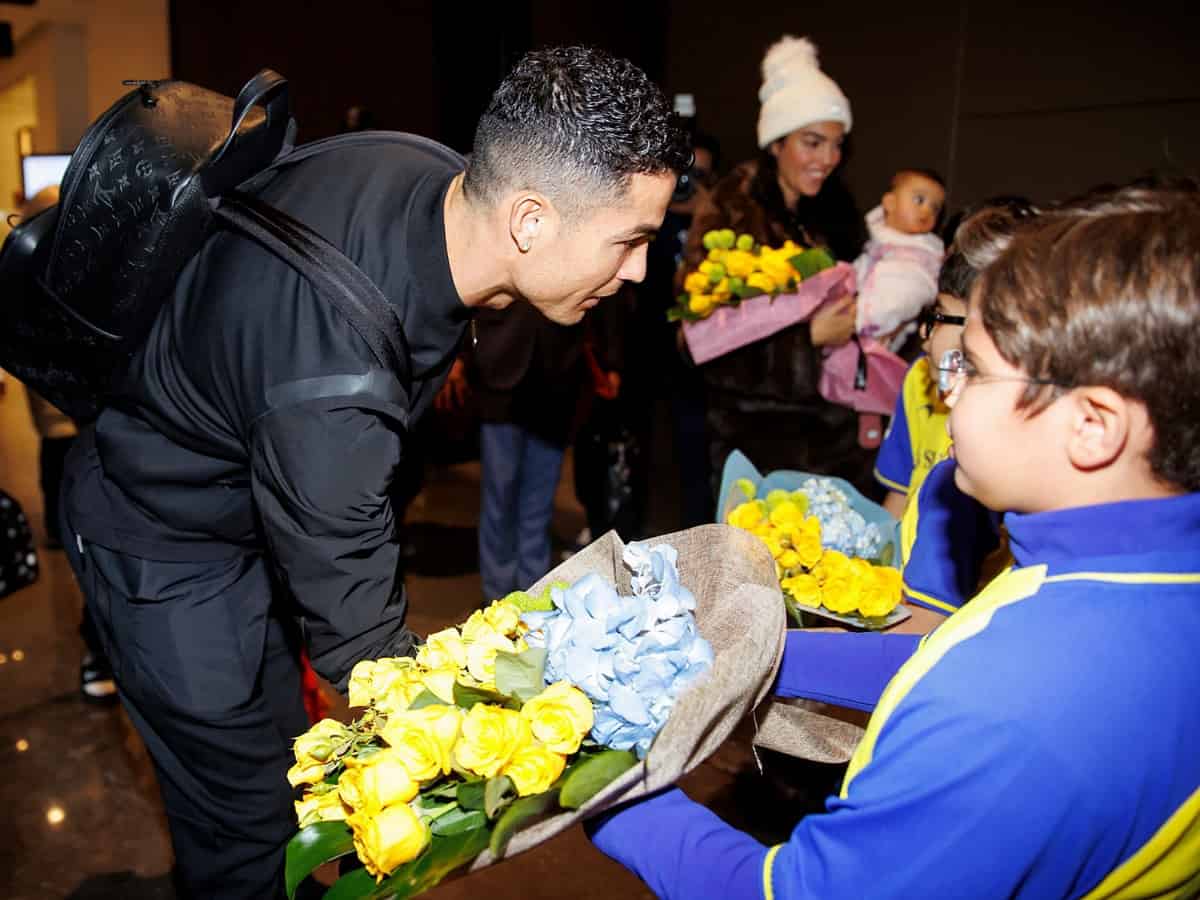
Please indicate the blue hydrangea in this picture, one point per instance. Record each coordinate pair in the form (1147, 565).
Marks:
(843, 528)
(632, 655)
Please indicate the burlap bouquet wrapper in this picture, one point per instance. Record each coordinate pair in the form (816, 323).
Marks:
(739, 610)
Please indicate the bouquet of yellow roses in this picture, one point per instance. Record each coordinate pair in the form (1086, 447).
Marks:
(744, 291)
(829, 558)
(543, 707)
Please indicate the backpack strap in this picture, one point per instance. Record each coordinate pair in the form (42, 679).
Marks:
(330, 272)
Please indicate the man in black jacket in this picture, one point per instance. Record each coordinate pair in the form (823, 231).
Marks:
(241, 482)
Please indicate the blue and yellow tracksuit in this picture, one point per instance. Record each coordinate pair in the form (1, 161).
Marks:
(916, 438)
(1042, 742)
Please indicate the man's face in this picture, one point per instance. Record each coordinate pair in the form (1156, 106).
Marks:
(913, 206)
(574, 264)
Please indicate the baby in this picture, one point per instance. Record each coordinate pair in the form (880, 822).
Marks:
(898, 269)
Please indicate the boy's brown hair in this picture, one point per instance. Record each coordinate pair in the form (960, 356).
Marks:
(983, 234)
(1107, 292)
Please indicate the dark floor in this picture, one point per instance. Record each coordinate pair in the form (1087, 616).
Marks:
(80, 815)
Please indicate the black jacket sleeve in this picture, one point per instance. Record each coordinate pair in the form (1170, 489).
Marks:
(321, 475)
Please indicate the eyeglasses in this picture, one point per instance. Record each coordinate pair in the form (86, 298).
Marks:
(954, 372)
(931, 316)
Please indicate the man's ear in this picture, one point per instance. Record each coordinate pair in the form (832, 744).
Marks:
(527, 220)
(1101, 425)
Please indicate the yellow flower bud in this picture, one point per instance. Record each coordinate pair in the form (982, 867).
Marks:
(388, 838)
(701, 304)
(490, 736)
(423, 739)
(559, 717)
(746, 515)
(777, 268)
(324, 807)
(373, 679)
(310, 773)
(533, 768)
(740, 264)
(315, 748)
(379, 781)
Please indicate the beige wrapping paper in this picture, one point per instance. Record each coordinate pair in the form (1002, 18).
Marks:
(739, 610)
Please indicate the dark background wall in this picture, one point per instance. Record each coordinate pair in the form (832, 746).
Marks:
(1011, 97)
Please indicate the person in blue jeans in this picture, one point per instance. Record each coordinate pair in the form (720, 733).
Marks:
(1041, 741)
(526, 375)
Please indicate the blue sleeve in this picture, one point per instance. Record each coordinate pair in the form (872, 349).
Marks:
(954, 535)
(894, 462)
(844, 669)
(952, 805)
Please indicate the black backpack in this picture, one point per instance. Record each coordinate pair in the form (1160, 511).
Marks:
(81, 282)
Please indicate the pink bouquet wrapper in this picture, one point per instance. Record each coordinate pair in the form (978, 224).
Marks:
(729, 327)
(885, 377)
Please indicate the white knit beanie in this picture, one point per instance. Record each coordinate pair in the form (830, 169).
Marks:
(795, 92)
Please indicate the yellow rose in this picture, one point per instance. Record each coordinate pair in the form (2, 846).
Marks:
(481, 655)
(773, 540)
(404, 689)
(388, 838)
(440, 682)
(701, 304)
(739, 263)
(804, 589)
(777, 268)
(373, 679)
(533, 768)
(490, 736)
(807, 543)
(324, 807)
(376, 782)
(320, 743)
(788, 559)
(559, 717)
(423, 739)
(696, 283)
(881, 593)
(746, 515)
(786, 513)
(503, 617)
(840, 595)
(762, 281)
(443, 649)
(833, 565)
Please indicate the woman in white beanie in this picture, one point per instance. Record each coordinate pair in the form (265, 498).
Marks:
(763, 398)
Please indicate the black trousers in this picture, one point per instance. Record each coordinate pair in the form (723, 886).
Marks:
(211, 679)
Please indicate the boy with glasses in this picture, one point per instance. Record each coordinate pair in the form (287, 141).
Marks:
(1042, 740)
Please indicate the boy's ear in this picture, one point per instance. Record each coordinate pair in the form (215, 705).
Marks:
(1102, 424)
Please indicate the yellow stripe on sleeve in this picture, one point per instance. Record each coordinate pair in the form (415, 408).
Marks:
(768, 865)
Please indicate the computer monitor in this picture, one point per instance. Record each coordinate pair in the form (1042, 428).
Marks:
(42, 170)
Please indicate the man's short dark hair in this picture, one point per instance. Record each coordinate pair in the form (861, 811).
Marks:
(1107, 292)
(576, 124)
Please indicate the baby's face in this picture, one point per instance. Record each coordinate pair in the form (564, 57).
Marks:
(913, 206)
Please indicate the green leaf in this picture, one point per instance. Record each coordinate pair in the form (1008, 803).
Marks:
(458, 820)
(426, 698)
(593, 774)
(358, 884)
(520, 813)
(793, 609)
(313, 846)
(674, 314)
(444, 854)
(498, 794)
(470, 794)
(747, 487)
(521, 675)
(812, 261)
(466, 697)
(887, 554)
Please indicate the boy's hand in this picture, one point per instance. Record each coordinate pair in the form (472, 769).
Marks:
(832, 325)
